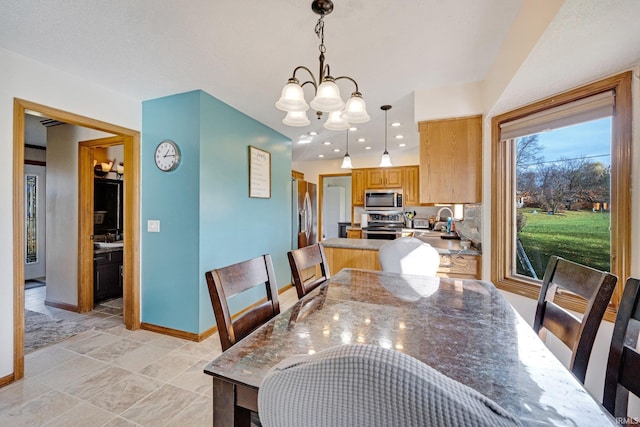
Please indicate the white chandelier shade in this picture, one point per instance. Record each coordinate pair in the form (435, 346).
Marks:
(296, 118)
(335, 122)
(327, 98)
(355, 110)
(292, 98)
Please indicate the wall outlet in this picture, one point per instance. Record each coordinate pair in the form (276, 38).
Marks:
(153, 225)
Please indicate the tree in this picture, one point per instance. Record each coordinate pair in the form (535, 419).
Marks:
(528, 150)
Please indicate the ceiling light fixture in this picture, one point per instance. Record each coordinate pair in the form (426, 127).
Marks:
(327, 93)
(385, 161)
(346, 162)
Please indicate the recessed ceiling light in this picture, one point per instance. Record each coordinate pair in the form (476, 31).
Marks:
(353, 129)
(362, 139)
(395, 124)
(304, 139)
(335, 150)
(320, 155)
(402, 145)
(399, 136)
(313, 133)
(327, 143)
(367, 148)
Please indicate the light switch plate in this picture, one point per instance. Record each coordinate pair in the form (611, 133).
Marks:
(153, 225)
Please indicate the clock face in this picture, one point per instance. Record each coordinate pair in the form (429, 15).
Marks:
(167, 156)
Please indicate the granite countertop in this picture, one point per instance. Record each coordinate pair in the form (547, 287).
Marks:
(443, 246)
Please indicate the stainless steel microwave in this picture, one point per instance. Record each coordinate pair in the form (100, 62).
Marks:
(383, 200)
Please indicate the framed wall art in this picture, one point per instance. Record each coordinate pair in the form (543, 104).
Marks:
(259, 173)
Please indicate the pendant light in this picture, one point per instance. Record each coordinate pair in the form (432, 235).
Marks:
(385, 162)
(346, 162)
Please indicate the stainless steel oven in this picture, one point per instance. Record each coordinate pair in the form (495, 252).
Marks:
(383, 225)
(382, 233)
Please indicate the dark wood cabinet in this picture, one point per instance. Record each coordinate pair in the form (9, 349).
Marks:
(107, 275)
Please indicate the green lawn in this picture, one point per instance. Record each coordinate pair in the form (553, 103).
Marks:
(581, 236)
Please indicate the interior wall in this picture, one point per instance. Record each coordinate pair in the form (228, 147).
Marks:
(206, 218)
(62, 210)
(233, 226)
(27, 79)
(169, 258)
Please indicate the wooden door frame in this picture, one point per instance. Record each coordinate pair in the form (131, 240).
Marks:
(85, 222)
(321, 196)
(131, 268)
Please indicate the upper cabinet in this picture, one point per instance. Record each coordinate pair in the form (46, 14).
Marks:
(451, 160)
(384, 178)
(405, 177)
(357, 187)
(411, 185)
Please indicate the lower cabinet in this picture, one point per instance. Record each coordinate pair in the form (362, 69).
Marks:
(107, 275)
(455, 266)
(354, 234)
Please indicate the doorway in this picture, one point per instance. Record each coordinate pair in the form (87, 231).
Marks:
(334, 204)
(130, 140)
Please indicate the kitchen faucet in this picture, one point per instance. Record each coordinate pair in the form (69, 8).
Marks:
(438, 218)
(439, 223)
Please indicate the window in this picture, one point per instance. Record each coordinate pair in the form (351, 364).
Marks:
(554, 195)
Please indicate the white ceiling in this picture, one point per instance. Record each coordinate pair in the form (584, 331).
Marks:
(243, 52)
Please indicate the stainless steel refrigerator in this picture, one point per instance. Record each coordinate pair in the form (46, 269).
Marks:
(304, 214)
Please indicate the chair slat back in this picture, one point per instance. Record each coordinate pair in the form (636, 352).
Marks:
(225, 282)
(579, 335)
(623, 367)
(302, 261)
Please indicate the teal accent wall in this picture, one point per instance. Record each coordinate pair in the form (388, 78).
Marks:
(207, 219)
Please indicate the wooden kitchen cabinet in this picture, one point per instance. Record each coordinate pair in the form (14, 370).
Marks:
(451, 160)
(459, 266)
(384, 178)
(107, 275)
(354, 234)
(405, 177)
(357, 187)
(411, 185)
(451, 265)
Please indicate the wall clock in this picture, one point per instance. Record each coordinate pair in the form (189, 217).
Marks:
(167, 156)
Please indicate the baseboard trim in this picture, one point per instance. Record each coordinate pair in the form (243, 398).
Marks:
(169, 331)
(203, 335)
(62, 305)
(7, 380)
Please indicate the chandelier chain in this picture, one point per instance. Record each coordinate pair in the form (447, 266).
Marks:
(319, 30)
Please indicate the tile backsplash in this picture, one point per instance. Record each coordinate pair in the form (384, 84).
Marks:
(470, 227)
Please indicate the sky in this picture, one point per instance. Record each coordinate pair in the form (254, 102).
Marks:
(585, 139)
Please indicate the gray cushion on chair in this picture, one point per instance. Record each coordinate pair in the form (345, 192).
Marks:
(367, 385)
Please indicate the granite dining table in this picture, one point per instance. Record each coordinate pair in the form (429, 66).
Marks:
(463, 328)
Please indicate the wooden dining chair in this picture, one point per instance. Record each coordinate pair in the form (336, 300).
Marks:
(234, 279)
(309, 268)
(623, 368)
(579, 335)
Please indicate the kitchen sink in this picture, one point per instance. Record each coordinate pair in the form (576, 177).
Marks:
(104, 245)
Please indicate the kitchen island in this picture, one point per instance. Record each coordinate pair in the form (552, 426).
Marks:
(363, 253)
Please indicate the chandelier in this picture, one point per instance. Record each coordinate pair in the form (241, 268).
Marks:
(327, 93)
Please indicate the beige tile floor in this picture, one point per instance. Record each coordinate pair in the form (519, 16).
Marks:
(110, 376)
